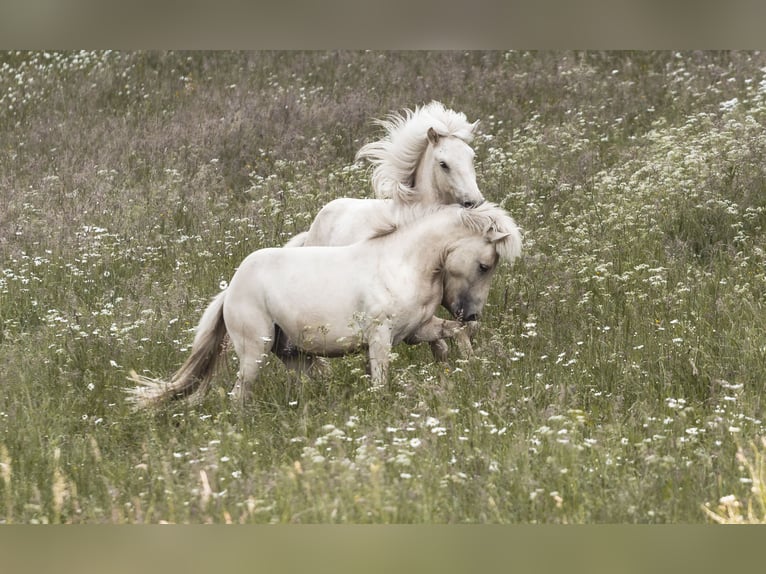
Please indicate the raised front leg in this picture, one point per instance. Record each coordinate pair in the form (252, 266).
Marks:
(436, 330)
(463, 338)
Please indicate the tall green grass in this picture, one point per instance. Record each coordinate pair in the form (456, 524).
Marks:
(620, 364)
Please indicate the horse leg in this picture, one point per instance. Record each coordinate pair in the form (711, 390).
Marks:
(294, 360)
(439, 349)
(463, 339)
(379, 351)
(302, 364)
(252, 346)
(436, 330)
(297, 364)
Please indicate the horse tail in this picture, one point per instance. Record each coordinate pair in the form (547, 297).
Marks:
(298, 241)
(194, 376)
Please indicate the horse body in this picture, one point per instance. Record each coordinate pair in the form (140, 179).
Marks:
(329, 301)
(357, 287)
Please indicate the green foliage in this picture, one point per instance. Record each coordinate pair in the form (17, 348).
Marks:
(620, 362)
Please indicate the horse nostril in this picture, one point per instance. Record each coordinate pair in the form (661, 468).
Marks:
(471, 318)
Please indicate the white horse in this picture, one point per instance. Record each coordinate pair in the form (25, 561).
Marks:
(424, 158)
(333, 300)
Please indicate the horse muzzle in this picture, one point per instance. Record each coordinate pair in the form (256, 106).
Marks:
(465, 314)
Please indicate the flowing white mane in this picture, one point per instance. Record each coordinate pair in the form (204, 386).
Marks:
(396, 156)
(488, 219)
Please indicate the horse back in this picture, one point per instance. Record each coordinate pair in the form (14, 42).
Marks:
(347, 220)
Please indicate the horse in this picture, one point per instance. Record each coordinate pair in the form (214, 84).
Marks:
(424, 158)
(329, 301)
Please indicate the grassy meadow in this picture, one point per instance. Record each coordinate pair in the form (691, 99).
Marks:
(620, 366)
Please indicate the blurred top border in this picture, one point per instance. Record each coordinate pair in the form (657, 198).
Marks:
(383, 24)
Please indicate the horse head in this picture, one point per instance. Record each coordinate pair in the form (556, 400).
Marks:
(425, 157)
(447, 170)
(471, 261)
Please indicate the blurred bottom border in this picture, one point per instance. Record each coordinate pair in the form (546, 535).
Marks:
(379, 549)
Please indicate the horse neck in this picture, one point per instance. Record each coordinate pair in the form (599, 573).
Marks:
(432, 234)
(427, 192)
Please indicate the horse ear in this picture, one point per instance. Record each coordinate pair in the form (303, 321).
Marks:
(508, 243)
(475, 125)
(494, 236)
(433, 137)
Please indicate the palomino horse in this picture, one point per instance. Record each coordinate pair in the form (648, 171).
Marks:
(423, 159)
(330, 301)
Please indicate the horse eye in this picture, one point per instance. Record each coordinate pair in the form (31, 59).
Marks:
(443, 165)
(483, 268)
